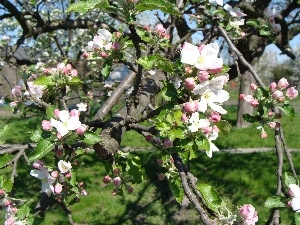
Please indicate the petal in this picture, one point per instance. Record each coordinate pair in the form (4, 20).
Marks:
(217, 108)
(219, 96)
(64, 115)
(202, 105)
(37, 174)
(189, 54)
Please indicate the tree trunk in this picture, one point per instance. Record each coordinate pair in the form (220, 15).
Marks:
(244, 107)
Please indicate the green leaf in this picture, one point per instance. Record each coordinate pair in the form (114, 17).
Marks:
(74, 81)
(73, 179)
(253, 22)
(289, 179)
(36, 135)
(202, 143)
(43, 147)
(274, 202)
(106, 69)
(6, 158)
(263, 32)
(168, 92)
(219, 12)
(50, 111)
(162, 5)
(177, 133)
(210, 196)
(7, 185)
(288, 110)
(44, 80)
(146, 62)
(177, 190)
(134, 169)
(224, 126)
(250, 119)
(297, 218)
(84, 6)
(91, 138)
(24, 210)
(144, 35)
(4, 131)
(261, 93)
(146, 157)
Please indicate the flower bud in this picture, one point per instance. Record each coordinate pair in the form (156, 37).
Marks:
(117, 181)
(253, 87)
(46, 124)
(190, 83)
(291, 93)
(57, 188)
(272, 86)
(277, 95)
(282, 83)
(106, 179)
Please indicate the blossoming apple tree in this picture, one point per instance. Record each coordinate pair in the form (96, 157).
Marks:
(189, 78)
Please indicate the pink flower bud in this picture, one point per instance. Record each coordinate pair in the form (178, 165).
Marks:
(106, 179)
(147, 28)
(272, 124)
(190, 107)
(149, 138)
(161, 176)
(14, 210)
(273, 86)
(16, 91)
(159, 28)
(1, 192)
(114, 192)
(116, 46)
(283, 83)
(206, 130)
(263, 135)
(57, 188)
(167, 143)
(117, 181)
(277, 94)
(160, 162)
(254, 103)
(46, 124)
(56, 112)
(188, 70)
(84, 192)
(248, 214)
(68, 174)
(203, 76)
(103, 54)
(270, 114)
(253, 87)
(7, 203)
(54, 174)
(81, 184)
(214, 117)
(242, 96)
(81, 130)
(190, 83)
(117, 171)
(184, 118)
(130, 189)
(74, 73)
(291, 93)
(74, 112)
(59, 153)
(118, 34)
(85, 55)
(38, 164)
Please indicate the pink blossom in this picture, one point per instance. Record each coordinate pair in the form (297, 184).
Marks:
(291, 93)
(277, 95)
(117, 171)
(61, 67)
(117, 181)
(68, 174)
(282, 83)
(215, 129)
(1, 192)
(273, 86)
(46, 124)
(85, 55)
(10, 221)
(59, 153)
(248, 214)
(103, 54)
(13, 104)
(14, 210)
(118, 34)
(167, 143)
(81, 130)
(214, 117)
(57, 188)
(253, 87)
(7, 203)
(190, 83)
(116, 46)
(270, 114)
(106, 179)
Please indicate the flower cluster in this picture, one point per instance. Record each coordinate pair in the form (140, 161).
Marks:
(61, 70)
(248, 214)
(102, 44)
(159, 28)
(271, 14)
(65, 121)
(269, 98)
(205, 83)
(11, 211)
(118, 181)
